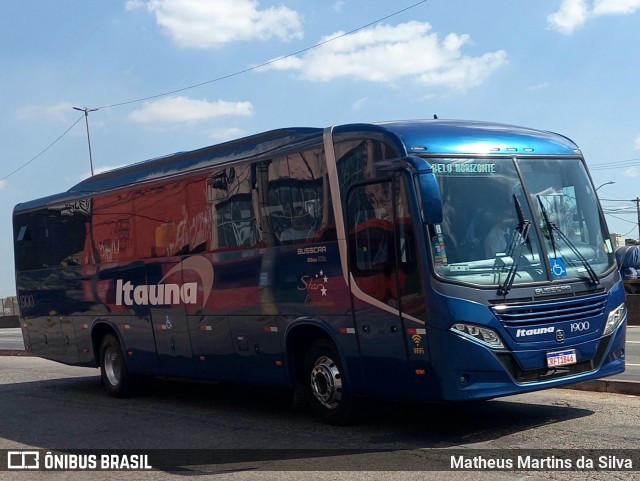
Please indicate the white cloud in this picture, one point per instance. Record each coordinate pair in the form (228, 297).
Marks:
(539, 86)
(212, 23)
(3, 184)
(183, 109)
(573, 14)
(360, 103)
(387, 54)
(338, 6)
(604, 7)
(133, 4)
(631, 172)
(637, 143)
(59, 111)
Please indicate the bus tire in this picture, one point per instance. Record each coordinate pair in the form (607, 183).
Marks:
(325, 384)
(115, 376)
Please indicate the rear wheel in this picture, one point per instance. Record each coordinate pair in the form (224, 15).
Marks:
(326, 386)
(113, 369)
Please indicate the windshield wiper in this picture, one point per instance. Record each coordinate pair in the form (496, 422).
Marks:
(518, 240)
(551, 227)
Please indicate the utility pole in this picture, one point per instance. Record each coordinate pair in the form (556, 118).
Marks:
(637, 201)
(86, 121)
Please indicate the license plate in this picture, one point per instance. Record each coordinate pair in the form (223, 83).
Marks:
(561, 358)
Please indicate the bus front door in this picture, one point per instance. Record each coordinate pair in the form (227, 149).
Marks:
(381, 256)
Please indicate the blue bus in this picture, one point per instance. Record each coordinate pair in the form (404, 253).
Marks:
(418, 260)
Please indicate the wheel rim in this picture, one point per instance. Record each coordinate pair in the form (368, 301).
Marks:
(326, 382)
(112, 365)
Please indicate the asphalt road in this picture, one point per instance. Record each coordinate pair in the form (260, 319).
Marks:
(632, 366)
(258, 436)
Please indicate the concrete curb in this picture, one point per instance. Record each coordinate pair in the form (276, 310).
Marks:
(14, 352)
(612, 386)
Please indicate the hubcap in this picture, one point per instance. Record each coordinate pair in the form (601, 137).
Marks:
(326, 382)
(112, 365)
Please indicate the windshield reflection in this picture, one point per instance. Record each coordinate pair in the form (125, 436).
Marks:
(482, 239)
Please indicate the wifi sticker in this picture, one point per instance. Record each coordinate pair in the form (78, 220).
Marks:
(416, 337)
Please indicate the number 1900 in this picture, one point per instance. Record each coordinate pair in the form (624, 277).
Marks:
(580, 326)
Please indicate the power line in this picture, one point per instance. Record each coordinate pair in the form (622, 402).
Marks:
(626, 234)
(618, 162)
(613, 165)
(624, 210)
(218, 79)
(636, 201)
(617, 200)
(621, 219)
(264, 64)
(43, 151)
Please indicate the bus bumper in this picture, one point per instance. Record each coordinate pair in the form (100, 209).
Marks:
(503, 375)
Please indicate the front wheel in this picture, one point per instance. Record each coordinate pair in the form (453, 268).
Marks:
(113, 369)
(325, 384)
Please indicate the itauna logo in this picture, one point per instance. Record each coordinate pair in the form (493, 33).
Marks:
(533, 332)
(162, 294)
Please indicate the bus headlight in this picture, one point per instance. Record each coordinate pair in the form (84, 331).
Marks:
(614, 319)
(481, 335)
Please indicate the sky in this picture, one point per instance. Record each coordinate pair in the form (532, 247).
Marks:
(176, 75)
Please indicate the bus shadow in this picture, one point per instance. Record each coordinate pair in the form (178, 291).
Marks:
(465, 423)
(384, 422)
(200, 424)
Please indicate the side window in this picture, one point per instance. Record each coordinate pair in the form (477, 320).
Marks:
(32, 241)
(371, 227)
(68, 231)
(382, 245)
(356, 160)
(371, 240)
(409, 280)
(159, 211)
(196, 227)
(297, 207)
(231, 194)
(112, 229)
(52, 237)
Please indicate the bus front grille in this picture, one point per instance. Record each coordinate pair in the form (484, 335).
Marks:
(550, 312)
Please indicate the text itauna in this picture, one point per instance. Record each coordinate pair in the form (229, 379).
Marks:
(155, 295)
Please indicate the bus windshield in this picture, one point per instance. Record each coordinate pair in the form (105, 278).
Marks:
(511, 221)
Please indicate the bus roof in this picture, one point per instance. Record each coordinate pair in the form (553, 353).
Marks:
(260, 145)
(474, 137)
(419, 137)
